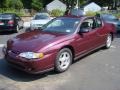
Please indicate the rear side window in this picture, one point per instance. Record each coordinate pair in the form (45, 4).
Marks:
(98, 23)
(2, 16)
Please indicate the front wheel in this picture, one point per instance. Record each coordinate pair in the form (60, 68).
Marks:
(63, 60)
(108, 41)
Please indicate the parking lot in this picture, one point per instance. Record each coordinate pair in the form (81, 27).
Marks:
(97, 71)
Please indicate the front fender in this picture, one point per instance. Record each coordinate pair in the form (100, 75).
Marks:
(55, 47)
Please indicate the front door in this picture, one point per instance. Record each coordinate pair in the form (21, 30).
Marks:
(86, 41)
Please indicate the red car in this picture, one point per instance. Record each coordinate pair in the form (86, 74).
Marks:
(58, 43)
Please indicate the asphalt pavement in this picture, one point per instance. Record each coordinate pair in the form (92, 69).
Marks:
(97, 71)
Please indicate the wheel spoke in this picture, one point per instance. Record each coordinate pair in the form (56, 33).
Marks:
(109, 40)
(64, 60)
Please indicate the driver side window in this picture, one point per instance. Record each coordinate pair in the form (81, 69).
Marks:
(87, 24)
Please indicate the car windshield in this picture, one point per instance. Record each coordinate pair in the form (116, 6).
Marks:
(3, 16)
(62, 25)
(41, 16)
(109, 17)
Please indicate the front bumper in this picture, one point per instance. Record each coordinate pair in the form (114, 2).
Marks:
(31, 66)
(32, 27)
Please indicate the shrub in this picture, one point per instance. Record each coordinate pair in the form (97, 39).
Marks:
(56, 13)
(11, 10)
(90, 13)
(117, 15)
(37, 5)
(16, 4)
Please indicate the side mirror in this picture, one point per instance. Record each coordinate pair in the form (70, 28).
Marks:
(84, 30)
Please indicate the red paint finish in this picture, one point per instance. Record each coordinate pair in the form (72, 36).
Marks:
(50, 44)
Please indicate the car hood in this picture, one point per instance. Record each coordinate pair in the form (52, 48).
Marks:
(40, 21)
(34, 41)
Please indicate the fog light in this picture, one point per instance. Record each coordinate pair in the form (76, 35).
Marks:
(40, 55)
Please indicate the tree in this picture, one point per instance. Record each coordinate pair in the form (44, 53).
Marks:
(1, 3)
(72, 3)
(27, 3)
(45, 2)
(16, 4)
(37, 5)
(112, 4)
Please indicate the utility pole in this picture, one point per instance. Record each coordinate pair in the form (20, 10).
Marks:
(77, 3)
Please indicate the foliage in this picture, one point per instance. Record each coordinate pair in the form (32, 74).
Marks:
(16, 4)
(27, 4)
(56, 13)
(90, 13)
(36, 5)
(11, 10)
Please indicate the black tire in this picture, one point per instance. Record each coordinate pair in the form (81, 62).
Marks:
(69, 61)
(108, 41)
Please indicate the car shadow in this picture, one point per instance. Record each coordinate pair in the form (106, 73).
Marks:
(87, 55)
(118, 35)
(18, 75)
(6, 33)
(27, 29)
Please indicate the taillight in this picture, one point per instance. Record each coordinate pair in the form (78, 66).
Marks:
(1, 22)
(11, 22)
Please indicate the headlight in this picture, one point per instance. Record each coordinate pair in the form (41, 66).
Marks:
(31, 55)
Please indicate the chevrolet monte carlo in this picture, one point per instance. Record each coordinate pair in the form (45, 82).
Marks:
(58, 43)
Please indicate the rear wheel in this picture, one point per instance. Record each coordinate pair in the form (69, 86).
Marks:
(108, 41)
(63, 60)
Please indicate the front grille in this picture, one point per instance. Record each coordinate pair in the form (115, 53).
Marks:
(15, 52)
(16, 65)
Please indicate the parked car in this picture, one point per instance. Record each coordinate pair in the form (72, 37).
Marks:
(58, 43)
(39, 20)
(109, 18)
(77, 12)
(10, 22)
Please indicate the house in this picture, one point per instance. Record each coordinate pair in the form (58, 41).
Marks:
(56, 4)
(92, 7)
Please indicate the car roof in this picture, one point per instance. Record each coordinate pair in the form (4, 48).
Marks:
(12, 14)
(42, 13)
(80, 17)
